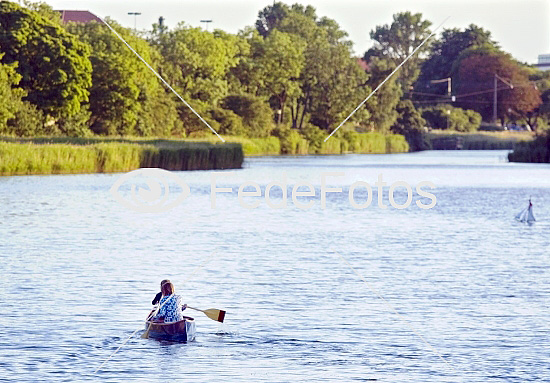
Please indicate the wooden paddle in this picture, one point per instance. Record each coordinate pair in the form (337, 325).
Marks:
(214, 314)
(145, 335)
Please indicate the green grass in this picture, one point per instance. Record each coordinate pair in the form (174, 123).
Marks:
(66, 155)
(484, 140)
(97, 156)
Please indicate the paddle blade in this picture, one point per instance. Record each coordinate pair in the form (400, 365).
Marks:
(215, 314)
(145, 335)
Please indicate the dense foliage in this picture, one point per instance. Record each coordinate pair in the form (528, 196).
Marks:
(282, 84)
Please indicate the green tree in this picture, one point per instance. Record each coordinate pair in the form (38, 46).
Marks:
(448, 117)
(10, 95)
(197, 62)
(257, 116)
(398, 40)
(280, 59)
(410, 124)
(382, 105)
(331, 81)
(270, 17)
(125, 98)
(54, 64)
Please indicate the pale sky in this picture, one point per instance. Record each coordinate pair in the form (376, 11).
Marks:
(520, 26)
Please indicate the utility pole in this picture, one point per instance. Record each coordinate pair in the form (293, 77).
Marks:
(135, 14)
(451, 98)
(497, 77)
(206, 22)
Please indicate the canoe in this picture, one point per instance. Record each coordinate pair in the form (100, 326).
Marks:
(182, 331)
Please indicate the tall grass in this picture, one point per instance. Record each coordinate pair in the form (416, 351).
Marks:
(251, 146)
(396, 143)
(30, 158)
(537, 150)
(484, 140)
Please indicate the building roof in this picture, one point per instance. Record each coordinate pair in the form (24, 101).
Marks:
(78, 16)
(362, 63)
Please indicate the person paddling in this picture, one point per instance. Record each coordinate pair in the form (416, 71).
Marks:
(171, 307)
(159, 295)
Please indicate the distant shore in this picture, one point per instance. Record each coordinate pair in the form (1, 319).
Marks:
(70, 155)
(73, 155)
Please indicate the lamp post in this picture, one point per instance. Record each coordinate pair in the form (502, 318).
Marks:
(135, 14)
(497, 77)
(448, 81)
(206, 22)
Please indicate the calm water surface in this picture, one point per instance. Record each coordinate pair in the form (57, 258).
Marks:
(458, 293)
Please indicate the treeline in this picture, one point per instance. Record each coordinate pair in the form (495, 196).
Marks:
(293, 76)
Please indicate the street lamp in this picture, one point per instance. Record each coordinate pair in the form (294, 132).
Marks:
(206, 22)
(135, 14)
(448, 81)
(497, 77)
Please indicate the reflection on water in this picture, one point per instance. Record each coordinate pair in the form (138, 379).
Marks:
(79, 271)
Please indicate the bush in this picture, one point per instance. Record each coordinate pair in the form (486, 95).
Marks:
(291, 141)
(371, 142)
(28, 121)
(396, 143)
(458, 119)
(229, 123)
(315, 137)
(76, 125)
(256, 114)
(410, 124)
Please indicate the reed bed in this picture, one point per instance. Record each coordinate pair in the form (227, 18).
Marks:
(484, 140)
(21, 158)
(537, 150)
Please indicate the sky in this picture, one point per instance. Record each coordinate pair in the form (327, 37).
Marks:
(521, 27)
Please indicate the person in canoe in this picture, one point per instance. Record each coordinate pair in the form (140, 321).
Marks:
(159, 295)
(170, 305)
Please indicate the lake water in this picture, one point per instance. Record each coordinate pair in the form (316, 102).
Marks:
(457, 293)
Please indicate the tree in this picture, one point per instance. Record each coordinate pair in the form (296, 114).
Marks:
(270, 17)
(197, 62)
(254, 111)
(54, 64)
(331, 79)
(410, 124)
(125, 98)
(10, 95)
(382, 105)
(476, 70)
(398, 40)
(280, 60)
(445, 51)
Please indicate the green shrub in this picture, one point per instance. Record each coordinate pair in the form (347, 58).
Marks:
(447, 116)
(256, 114)
(396, 143)
(28, 121)
(315, 137)
(371, 142)
(229, 123)
(291, 141)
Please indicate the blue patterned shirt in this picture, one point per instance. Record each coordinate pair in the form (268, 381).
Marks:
(171, 310)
